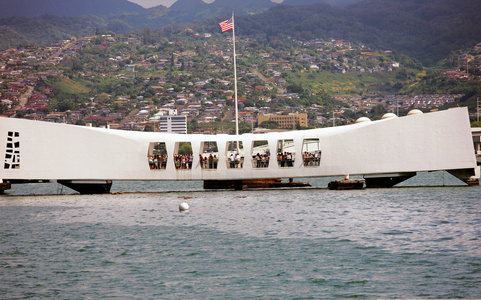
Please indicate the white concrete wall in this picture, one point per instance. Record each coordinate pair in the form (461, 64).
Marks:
(424, 142)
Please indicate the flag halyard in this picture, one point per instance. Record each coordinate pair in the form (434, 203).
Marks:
(226, 25)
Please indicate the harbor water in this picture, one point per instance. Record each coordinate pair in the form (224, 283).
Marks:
(419, 240)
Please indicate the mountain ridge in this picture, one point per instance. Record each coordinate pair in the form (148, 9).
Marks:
(338, 3)
(72, 8)
(183, 5)
(76, 8)
(429, 30)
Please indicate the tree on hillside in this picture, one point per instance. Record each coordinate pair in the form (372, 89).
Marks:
(377, 112)
(269, 124)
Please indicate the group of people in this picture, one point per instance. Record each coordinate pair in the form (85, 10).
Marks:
(261, 160)
(312, 159)
(235, 161)
(158, 161)
(183, 161)
(285, 159)
(208, 162)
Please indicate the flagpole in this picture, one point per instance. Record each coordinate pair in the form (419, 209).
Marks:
(235, 79)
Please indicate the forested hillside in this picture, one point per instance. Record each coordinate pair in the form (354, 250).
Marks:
(339, 3)
(428, 30)
(71, 8)
(47, 29)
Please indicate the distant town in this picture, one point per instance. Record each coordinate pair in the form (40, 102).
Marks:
(144, 85)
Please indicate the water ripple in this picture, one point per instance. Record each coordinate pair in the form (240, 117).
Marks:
(409, 243)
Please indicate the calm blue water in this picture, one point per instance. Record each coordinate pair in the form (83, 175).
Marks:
(409, 242)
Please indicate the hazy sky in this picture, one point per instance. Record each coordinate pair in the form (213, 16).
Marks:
(152, 3)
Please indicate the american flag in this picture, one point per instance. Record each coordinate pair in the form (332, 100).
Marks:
(226, 25)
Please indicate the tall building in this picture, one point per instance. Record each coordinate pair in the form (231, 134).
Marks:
(290, 121)
(173, 124)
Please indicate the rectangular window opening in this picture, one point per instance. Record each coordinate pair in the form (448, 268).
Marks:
(311, 153)
(157, 156)
(235, 155)
(209, 155)
(183, 157)
(260, 154)
(286, 153)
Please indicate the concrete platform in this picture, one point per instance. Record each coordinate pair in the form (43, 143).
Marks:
(251, 184)
(5, 186)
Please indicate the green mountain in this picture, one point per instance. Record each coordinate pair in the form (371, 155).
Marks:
(429, 30)
(188, 11)
(71, 8)
(339, 3)
(426, 29)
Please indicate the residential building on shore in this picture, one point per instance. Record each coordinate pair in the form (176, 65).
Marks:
(173, 124)
(288, 121)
